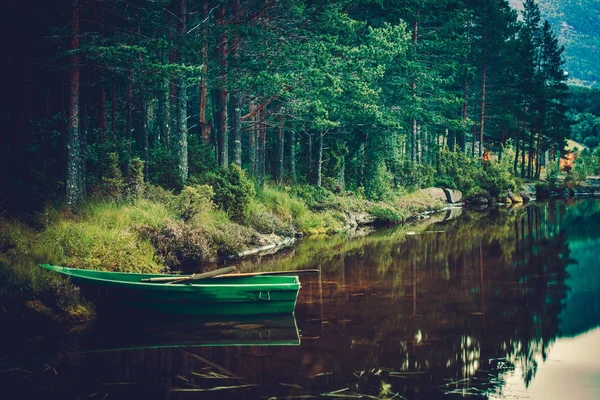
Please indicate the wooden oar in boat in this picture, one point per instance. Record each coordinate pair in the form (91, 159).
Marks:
(246, 274)
(224, 273)
(195, 277)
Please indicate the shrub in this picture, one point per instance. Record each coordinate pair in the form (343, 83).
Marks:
(317, 198)
(177, 243)
(112, 183)
(21, 280)
(230, 238)
(134, 186)
(262, 220)
(387, 214)
(193, 200)
(379, 184)
(233, 191)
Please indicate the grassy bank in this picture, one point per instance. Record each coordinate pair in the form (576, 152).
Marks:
(132, 226)
(155, 230)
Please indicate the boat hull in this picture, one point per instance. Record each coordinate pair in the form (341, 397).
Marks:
(116, 292)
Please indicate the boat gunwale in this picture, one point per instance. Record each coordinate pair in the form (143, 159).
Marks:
(65, 271)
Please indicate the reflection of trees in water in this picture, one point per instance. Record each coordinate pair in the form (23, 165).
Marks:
(461, 306)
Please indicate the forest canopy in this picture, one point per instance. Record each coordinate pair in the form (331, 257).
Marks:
(375, 96)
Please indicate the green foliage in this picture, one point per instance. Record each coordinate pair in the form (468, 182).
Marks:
(387, 214)
(163, 169)
(379, 184)
(193, 200)
(177, 243)
(457, 171)
(134, 186)
(21, 280)
(232, 191)
(317, 198)
(112, 183)
(587, 164)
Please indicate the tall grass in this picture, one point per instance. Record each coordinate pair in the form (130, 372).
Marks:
(23, 284)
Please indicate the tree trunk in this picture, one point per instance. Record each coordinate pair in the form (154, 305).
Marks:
(363, 158)
(162, 117)
(415, 143)
(415, 40)
(204, 128)
(74, 191)
(182, 139)
(235, 96)
(129, 115)
(101, 107)
(310, 160)
(320, 160)
(292, 155)
(237, 129)
(483, 90)
(262, 134)
(280, 147)
(516, 160)
(222, 129)
(252, 142)
(113, 110)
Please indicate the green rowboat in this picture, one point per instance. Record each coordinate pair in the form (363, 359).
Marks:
(225, 295)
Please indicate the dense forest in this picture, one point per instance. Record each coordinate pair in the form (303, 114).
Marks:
(375, 96)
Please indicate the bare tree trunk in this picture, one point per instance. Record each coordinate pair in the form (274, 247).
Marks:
(129, 115)
(74, 191)
(262, 133)
(310, 159)
(237, 130)
(415, 40)
(483, 90)
(363, 157)
(252, 142)
(113, 109)
(204, 128)
(162, 117)
(516, 160)
(101, 107)
(292, 155)
(280, 147)
(320, 160)
(415, 143)
(182, 139)
(222, 129)
(235, 96)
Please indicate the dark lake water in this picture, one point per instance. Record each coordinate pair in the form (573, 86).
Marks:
(493, 304)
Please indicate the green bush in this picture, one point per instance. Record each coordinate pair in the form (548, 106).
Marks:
(134, 186)
(193, 200)
(22, 281)
(379, 185)
(387, 214)
(264, 221)
(177, 243)
(229, 238)
(317, 198)
(233, 191)
(112, 183)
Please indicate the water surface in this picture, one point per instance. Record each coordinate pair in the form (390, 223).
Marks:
(498, 304)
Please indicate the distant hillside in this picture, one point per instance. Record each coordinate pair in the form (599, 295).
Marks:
(577, 23)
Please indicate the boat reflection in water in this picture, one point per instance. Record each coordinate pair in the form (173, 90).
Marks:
(165, 332)
(144, 357)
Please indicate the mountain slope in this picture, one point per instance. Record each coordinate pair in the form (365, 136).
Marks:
(577, 24)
